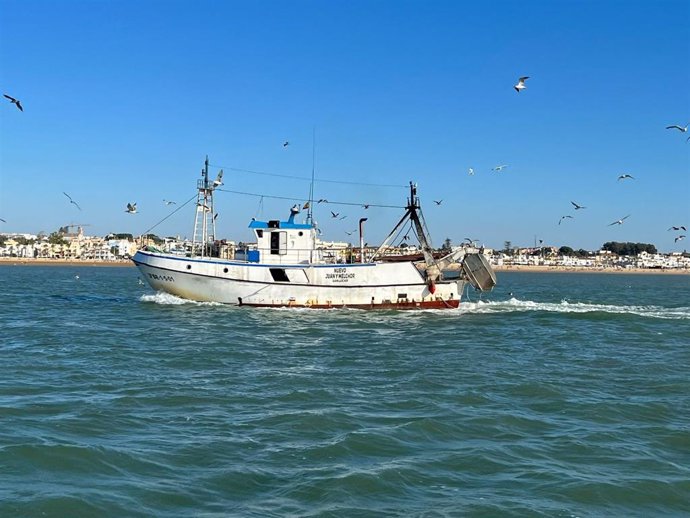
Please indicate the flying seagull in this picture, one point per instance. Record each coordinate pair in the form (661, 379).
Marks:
(438, 202)
(15, 101)
(521, 84)
(624, 176)
(619, 222)
(679, 128)
(335, 214)
(563, 217)
(219, 179)
(71, 200)
(343, 217)
(168, 202)
(3, 220)
(678, 228)
(322, 200)
(499, 168)
(470, 240)
(679, 238)
(578, 207)
(470, 171)
(131, 208)
(286, 144)
(351, 232)
(366, 207)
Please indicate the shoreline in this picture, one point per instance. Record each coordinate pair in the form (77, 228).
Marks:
(586, 269)
(23, 261)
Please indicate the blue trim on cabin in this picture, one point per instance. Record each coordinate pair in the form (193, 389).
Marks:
(283, 225)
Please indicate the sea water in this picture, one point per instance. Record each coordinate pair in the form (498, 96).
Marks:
(556, 395)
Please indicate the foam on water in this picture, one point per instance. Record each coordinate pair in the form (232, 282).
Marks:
(515, 305)
(167, 299)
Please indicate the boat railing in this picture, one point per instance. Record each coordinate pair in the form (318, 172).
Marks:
(254, 254)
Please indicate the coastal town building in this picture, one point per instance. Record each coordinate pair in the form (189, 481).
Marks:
(76, 246)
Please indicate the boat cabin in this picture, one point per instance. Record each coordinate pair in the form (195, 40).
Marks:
(283, 242)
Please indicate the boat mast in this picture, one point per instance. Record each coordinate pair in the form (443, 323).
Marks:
(415, 212)
(204, 224)
(310, 203)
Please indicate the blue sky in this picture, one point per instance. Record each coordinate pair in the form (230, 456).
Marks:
(123, 101)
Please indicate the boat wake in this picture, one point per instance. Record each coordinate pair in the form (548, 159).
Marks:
(514, 305)
(166, 299)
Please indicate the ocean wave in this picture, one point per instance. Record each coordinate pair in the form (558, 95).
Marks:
(167, 299)
(514, 305)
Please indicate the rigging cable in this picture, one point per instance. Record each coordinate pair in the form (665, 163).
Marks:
(166, 217)
(316, 180)
(300, 199)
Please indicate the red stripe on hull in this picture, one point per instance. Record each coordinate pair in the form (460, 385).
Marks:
(432, 304)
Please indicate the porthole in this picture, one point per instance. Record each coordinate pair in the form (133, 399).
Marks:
(300, 233)
(225, 270)
(189, 267)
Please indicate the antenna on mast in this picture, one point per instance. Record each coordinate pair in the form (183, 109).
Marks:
(310, 219)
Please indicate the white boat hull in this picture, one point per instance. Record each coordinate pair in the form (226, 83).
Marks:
(365, 285)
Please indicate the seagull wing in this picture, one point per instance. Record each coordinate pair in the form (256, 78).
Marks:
(10, 98)
(675, 126)
(75, 203)
(626, 217)
(19, 105)
(523, 79)
(70, 198)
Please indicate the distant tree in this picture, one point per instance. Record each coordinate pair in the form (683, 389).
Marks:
(128, 237)
(3, 239)
(57, 238)
(154, 238)
(628, 248)
(447, 245)
(25, 241)
(508, 248)
(566, 250)
(583, 253)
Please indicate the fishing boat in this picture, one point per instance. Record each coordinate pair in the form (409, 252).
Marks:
(289, 265)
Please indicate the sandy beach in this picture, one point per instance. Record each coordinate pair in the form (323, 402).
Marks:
(571, 269)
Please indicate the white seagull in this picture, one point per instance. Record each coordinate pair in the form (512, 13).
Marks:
(521, 84)
(168, 202)
(438, 202)
(219, 179)
(578, 207)
(131, 208)
(499, 168)
(619, 222)
(679, 238)
(470, 172)
(679, 128)
(625, 176)
(563, 217)
(678, 228)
